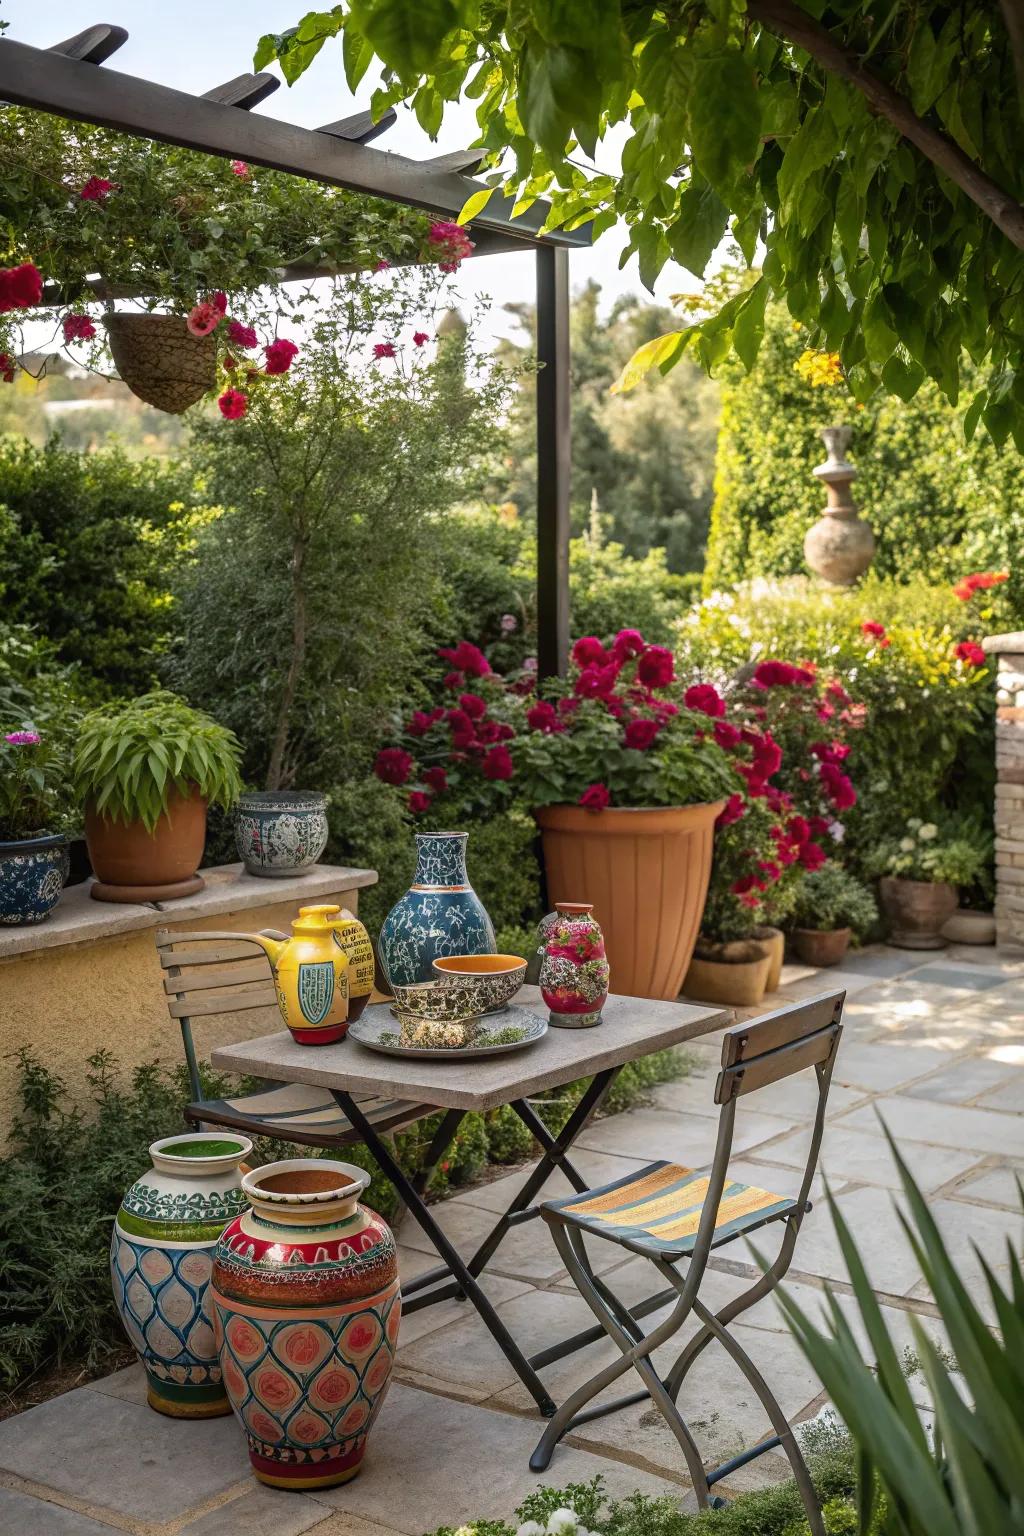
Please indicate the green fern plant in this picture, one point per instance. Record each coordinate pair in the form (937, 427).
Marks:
(131, 756)
(967, 1475)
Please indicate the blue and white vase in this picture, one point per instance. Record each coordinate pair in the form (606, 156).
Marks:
(32, 876)
(279, 832)
(440, 914)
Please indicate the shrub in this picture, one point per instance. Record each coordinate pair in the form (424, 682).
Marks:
(830, 897)
(921, 717)
(951, 849)
(87, 545)
(940, 507)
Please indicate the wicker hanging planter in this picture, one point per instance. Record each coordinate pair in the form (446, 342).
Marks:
(161, 361)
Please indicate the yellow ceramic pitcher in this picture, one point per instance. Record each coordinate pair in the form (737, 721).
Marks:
(323, 974)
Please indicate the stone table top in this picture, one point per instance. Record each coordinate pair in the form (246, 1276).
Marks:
(631, 1027)
(77, 919)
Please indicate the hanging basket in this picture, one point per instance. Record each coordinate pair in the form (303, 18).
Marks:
(161, 361)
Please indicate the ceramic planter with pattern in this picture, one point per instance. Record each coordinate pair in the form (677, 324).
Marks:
(439, 915)
(574, 971)
(32, 875)
(306, 1309)
(161, 1258)
(279, 832)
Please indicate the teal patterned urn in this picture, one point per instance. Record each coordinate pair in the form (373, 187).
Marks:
(161, 1259)
(440, 914)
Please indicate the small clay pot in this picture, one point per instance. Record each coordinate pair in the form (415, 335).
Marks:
(916, 911)
(821, 946)
(773, 942)
(161, 361)
(133, 864)
(737, 975)
(967, 926)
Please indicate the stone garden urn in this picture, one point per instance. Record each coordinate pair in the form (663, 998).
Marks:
(840, 545)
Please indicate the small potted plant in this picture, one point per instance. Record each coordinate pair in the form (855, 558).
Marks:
(920, 874)
(831, 909)
(147, 771)
(35, 818)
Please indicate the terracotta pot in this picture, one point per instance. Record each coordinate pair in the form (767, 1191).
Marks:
(773, 942)
(133, 864)
(161, 361)
(821, 946)
(916, 911)
(737, 983)
(645, 873)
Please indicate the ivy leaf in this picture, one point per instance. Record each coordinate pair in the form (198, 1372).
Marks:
(694, 234)
(476, 204)
(725, 118)
(748, 331)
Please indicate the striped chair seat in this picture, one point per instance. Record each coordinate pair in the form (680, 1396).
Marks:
(302, 1112)
(660, 1208)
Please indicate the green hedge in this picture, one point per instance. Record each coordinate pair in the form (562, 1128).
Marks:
(940, 507)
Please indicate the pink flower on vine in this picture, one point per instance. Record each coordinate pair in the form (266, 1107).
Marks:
(204, 318)
(280, 355)
(383, 349)
(420, 338)
(78, 328)
(233, 404)
(243, 336)
(382, 265)
(97, 189)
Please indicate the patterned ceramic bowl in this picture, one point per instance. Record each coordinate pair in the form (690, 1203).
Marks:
(435, 1000)
(451, 1035)
(489, 982)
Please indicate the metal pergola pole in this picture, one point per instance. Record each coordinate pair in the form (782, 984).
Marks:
(554, 461)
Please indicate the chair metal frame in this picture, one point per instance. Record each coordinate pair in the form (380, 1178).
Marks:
(239, 979)
(754, 1055)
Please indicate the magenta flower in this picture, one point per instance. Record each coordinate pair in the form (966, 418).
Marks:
(383, 349)
(78, 328)
(97, 189)
(240, 167)
(22, 738)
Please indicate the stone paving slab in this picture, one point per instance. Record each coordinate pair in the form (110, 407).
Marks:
(434, 1461)
(118, 1456)
(35, 1517)
(259, 1512)
(945, 1125)
(852, 1154)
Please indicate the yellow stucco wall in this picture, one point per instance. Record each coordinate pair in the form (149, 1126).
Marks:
(65, 1003)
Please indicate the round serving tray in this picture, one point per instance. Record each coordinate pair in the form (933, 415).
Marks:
(381, 1035)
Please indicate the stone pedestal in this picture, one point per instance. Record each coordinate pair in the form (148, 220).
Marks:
(1007, 653)
(840, 545)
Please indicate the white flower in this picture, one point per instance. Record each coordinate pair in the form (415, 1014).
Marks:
(563, 1522)
(469, 1530)
(907, 844)
(836, 831)
(928, 831)
(914, 823)
(531, 1528)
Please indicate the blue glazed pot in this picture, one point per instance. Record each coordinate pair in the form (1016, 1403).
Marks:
(278, 831)
(32, 875)
(440, 914)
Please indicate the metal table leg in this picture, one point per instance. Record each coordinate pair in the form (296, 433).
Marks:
(467, 1282)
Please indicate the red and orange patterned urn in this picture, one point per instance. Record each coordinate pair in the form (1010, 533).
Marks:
(306, 1307)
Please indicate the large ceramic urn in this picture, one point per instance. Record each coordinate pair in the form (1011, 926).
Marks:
(306, 1308)
(440, 914)
(161, 1259)
(840, 546)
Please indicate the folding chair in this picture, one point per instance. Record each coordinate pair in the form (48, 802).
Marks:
(209, 973)
(667, 1213)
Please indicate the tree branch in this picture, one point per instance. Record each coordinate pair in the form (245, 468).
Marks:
(786, 18)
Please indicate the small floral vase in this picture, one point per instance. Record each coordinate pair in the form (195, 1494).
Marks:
(306, 1308)
(543, 933)
(574, 970)
(280, 832)
(161, 1258)
(439, 915)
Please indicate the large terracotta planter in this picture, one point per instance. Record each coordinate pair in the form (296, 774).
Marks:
(916, 911)
(773, 942)
(161, 361)
(133, 864)
(821, 946)
(645, 873)
(306, 1307)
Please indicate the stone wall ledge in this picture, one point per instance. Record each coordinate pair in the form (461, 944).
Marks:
(80, 920)
(1012, 642)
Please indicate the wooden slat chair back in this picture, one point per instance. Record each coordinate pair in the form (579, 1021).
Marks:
(669, 1213)
(208, 973)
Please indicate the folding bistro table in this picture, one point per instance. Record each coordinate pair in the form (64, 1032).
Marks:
(632, 1027)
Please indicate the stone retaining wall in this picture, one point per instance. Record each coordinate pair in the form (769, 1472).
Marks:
(1007, 652)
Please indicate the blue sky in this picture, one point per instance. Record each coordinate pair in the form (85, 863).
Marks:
(195, 45)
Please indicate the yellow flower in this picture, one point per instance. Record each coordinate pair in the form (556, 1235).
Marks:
(819, 369)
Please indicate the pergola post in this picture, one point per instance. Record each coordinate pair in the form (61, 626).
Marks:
(554, 461)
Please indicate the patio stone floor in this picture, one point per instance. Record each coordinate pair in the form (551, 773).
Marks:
(933, 1047)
